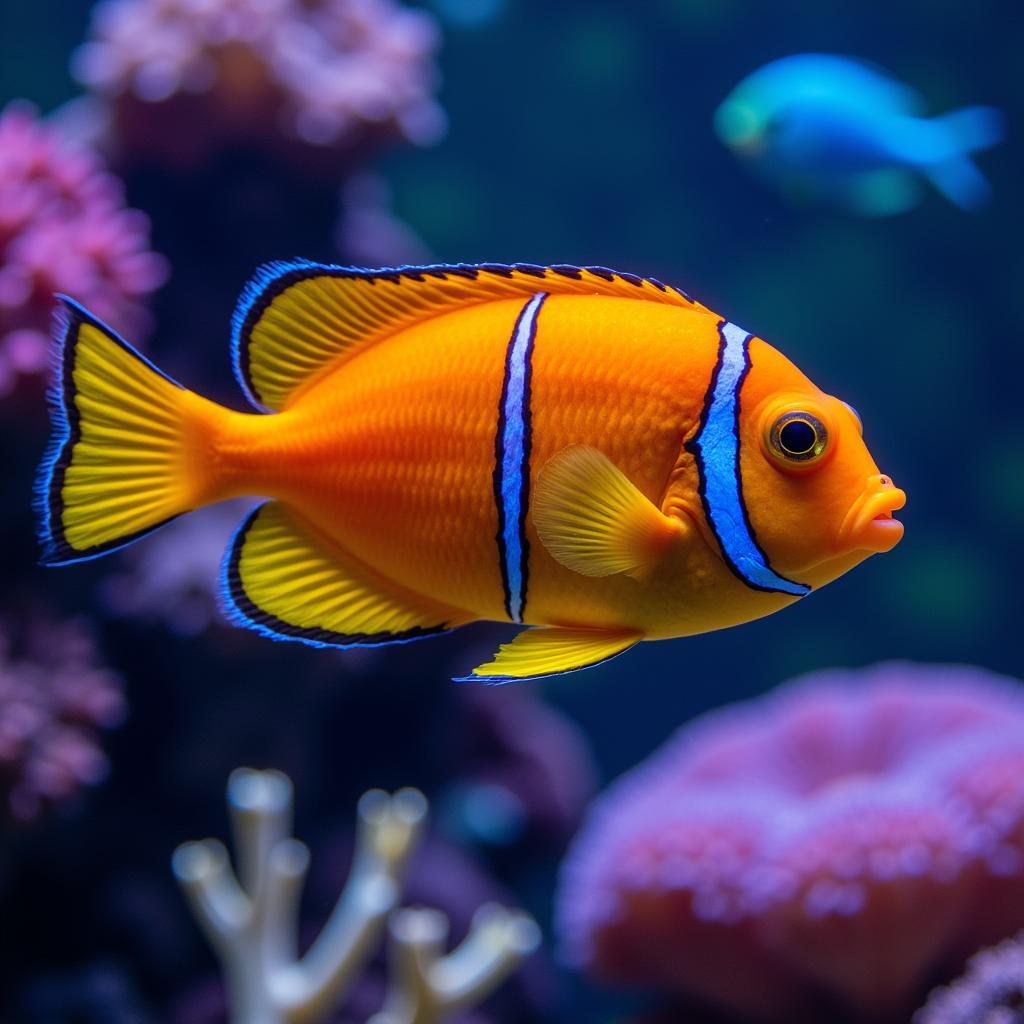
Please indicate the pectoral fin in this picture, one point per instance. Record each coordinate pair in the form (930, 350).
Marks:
(594, 520)
(551, 651)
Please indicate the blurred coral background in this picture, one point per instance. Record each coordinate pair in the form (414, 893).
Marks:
(154, 152)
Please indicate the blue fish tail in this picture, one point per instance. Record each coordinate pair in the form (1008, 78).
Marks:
(960, 182)
(967, 131)
(973, 128)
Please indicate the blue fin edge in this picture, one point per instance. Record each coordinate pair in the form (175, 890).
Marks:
(271, 279)
(64, 431)
(241, 611)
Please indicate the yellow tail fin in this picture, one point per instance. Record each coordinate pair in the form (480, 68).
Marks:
(129, 446)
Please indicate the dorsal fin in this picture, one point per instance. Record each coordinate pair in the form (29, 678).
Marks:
(296, 321)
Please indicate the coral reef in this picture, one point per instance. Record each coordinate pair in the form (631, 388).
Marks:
(320, 74)
(54, 699)
(831, 844)
(991, 990)
(63, 228)
(252, 923)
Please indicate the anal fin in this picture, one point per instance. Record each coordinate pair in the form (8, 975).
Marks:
(551, 651)
(281, 578)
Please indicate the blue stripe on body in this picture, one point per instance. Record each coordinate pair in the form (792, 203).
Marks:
(512, 459)
(716, 448)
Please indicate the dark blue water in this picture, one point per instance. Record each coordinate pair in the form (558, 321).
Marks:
(579, 133)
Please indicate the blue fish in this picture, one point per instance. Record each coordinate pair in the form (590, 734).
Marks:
(842, 130)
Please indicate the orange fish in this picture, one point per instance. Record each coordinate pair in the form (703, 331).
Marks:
(588, 453)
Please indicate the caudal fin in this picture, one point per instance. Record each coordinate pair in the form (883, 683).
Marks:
(127, 452)
(974, 128)
(966, 131)
(961, 183)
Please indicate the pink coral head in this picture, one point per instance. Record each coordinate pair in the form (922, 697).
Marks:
(308, 79)
(63, 228)
(991, 990)
(55, 699)
(834, 842)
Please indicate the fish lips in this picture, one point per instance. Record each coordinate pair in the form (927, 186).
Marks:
(869, 524)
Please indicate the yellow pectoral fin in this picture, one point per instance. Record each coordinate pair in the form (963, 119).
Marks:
(551, 651)
(594, 520)
(284, 580)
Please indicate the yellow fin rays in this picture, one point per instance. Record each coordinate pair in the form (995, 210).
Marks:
(297, 321)
(552, 650)
(594, 520)
(282, 579)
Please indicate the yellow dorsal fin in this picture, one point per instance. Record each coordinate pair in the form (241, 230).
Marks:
(551, 651)
(283, 579)
(296, 321)
(593, 519)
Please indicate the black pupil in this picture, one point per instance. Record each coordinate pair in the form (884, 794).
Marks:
(797, 437)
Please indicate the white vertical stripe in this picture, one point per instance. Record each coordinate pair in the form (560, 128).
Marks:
(514, 452)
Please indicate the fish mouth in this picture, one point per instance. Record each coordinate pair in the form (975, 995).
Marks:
(870, 524)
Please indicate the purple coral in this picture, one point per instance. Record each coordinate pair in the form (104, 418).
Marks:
(991, 990)
(837, 840)
(54, 698)
(173, 577)
(63, 228)
(323, 72)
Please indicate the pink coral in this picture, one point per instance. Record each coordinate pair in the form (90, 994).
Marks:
(323, 72)
(63, 228)
(834, 842)
(991, 990)
(54, 698)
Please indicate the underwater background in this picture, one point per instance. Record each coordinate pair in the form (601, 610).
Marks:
(520, 131)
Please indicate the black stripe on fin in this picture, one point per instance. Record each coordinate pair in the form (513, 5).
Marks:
(242, 611)
(297, 319)
(65, 422)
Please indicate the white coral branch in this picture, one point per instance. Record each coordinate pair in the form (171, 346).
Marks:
(429, 986)
(252, 920)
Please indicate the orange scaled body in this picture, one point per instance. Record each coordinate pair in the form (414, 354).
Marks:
(572, 449)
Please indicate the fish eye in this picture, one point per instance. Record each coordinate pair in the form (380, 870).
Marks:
(798, 437)
(856, 416)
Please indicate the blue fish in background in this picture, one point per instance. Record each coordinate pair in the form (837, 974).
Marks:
(842, 130)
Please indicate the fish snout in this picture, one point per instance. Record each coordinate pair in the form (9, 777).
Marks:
(869, 523)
